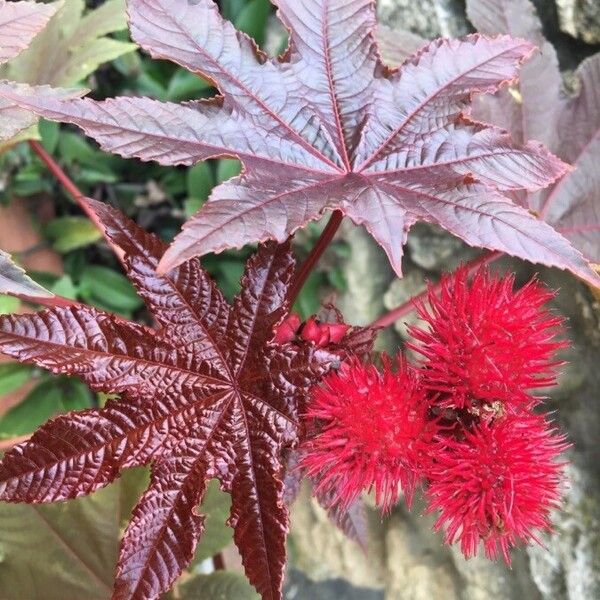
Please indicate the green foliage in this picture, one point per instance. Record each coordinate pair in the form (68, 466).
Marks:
(218, 586)
(8, 305)
(98, 285)
(200, 182)
(109, 290)
(49, 134)
(13, 376)
(308, 302)
(50, 397)
(217, 535)
(69, 233)
(252, 19)
(228, 168)
(81, 536)
(70, 48)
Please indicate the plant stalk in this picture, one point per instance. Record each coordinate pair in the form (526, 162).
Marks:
(315, 254)
(50, 301)
(70, 187)
(219, 562)
(410, 305)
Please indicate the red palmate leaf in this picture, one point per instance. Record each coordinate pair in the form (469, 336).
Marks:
(205, 395)
(569, 127)
(572, 206)
(327, 127)
(534, 116)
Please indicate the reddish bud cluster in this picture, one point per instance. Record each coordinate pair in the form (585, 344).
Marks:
(461, 422)
(286, 331)
(312, 330)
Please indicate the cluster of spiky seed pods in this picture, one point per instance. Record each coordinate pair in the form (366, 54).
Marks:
(461, 423)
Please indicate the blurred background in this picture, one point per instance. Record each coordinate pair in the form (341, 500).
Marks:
(68, 551)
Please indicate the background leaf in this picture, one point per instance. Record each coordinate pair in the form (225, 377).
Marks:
(228, 168)
(69, 233)
(108, 289)
(65, 551)
(20, 22)
(49, 398)
(217, 586)
(216, 505)
(13, 376)
(252, 19)
(14, 280)
(70, 47)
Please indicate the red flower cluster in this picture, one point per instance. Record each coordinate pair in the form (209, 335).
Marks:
(462, 422)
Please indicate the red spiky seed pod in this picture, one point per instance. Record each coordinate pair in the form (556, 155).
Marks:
(496, 484)
(368, 431)
(487, 343)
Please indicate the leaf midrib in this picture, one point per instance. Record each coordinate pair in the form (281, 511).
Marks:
(422, 105)
(194, 374)
(117, 439)
(304, 143)
(68, 548)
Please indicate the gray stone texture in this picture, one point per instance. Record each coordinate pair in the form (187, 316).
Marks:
(581, 19)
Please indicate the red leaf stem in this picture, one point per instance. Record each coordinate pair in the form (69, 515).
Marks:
(315, 254)
(72, 190)
(408, 306)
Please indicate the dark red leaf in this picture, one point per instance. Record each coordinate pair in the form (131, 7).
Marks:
(329, 127)
(207, 394)
(162, 535)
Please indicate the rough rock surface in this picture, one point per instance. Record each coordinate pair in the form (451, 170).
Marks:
(299, 587)
(428, 18)
(401, 291)
(321, 551)
(569, 566)
(581, 19)
(368, 275)
(432, 249)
